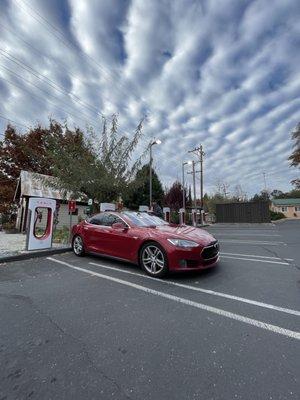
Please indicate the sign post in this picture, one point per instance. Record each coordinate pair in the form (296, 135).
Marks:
(72, 208)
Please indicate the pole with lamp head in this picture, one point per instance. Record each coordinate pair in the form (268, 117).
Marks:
(155, 141)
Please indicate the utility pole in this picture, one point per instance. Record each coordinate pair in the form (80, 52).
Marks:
(265, 182)
(193, 172)
(198, 151)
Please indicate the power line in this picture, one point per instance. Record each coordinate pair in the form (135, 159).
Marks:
(11, 120)
(43, 78)
(51, 59)
(35, 95)
(51, 28)
(44, 91)
(51, 83)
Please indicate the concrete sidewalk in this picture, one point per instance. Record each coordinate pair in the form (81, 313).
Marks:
(12, 247)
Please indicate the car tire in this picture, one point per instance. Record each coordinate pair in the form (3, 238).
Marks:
(154, 260)
(78, 246)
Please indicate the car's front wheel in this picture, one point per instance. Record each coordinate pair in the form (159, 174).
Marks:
(153, 259)
(78, 246)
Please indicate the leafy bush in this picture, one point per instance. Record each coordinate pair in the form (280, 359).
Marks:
(61, 235)
(10, 227)
(174, 217)
(275, 216)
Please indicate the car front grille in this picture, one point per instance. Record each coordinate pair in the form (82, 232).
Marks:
(210, 251)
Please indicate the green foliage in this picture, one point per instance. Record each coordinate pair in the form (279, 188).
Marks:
(292, 194)
(295, 156)
(61, 235)
(100, 168)
(137, 192)
(276, 215)
(174, 217)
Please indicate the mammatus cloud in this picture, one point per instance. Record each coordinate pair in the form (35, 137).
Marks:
(227, 77)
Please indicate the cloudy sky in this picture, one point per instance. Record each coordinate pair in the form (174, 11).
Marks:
(224, 73)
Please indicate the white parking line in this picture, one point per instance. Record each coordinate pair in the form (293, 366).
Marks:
(255, 256)
(251, 242)
(206, 291)
(214, 310)
(246, 234)
(253, 259)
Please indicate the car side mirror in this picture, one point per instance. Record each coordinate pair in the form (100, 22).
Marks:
(119, 226)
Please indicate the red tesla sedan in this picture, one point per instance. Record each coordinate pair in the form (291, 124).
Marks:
(157, 246)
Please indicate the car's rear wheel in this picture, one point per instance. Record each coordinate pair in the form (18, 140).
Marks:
(154, 260)
(78, 246)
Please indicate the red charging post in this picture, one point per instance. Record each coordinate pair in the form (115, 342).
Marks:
(166, 211)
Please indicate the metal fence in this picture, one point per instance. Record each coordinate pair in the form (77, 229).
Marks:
(257, 212)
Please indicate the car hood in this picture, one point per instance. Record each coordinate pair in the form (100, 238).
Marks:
(184, 232)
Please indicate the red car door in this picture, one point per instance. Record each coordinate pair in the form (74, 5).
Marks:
(122, 241)
(95, 234)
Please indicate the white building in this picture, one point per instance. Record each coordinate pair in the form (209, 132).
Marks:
(31, 184)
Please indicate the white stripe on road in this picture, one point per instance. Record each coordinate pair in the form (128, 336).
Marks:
(255, 256)
(245, 234)
(252, 259)
(206, 291)
(214, 310)
(251, 242)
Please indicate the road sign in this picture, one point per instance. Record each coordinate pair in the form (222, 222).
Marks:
(72, 206)
(90, 202)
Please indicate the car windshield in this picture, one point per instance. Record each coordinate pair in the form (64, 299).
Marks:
(144, 219)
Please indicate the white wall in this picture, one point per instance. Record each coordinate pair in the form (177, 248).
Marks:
(64, 217)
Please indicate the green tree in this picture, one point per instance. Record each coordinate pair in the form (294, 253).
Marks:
(295, 156)
(138, 190)
(100, 168)
(174, 195)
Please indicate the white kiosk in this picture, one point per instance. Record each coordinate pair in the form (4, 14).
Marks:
(182, 216)
(143, 208)
(107, 207)
(47, 207)
(194, 217)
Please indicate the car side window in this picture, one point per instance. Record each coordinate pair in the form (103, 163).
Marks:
(96, 220)
(112, 219)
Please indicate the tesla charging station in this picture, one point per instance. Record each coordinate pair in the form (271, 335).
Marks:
(194, 217)
(181, 216)
(35, 242)
(166, 211)
(143, 208)
(107, 207)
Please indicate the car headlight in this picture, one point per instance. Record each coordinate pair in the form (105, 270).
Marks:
(183, 243)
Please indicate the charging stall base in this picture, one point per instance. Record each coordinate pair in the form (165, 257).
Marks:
(44, 241)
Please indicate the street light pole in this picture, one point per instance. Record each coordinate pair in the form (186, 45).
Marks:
(183, 183)
(150, 172)
(183, 188)
(150, 177)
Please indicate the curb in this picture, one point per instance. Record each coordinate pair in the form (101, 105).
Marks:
(33, 254)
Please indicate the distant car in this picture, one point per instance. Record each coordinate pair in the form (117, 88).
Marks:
(147, 240)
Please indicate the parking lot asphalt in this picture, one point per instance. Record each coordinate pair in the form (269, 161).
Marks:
(93, 328)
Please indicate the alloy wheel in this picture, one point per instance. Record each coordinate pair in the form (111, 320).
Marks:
(78, 245)
(153, 259)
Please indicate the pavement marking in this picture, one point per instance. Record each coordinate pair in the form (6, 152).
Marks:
(206, 291)
(253, 259)
(246, 234)
(214, 310)
(251, 242)
(256, 256)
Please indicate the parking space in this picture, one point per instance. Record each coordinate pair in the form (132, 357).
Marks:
(98, 329)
